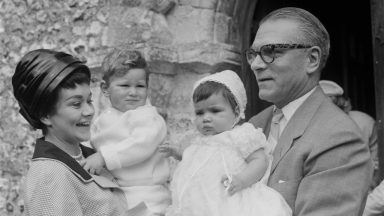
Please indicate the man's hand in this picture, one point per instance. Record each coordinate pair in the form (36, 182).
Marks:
(233, 184)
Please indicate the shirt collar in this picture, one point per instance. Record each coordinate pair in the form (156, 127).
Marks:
(289, 109)
(118, 112)
(47, 150)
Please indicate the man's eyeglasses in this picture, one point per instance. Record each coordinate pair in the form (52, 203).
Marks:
(267, 52)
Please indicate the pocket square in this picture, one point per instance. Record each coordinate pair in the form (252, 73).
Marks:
(281, 181)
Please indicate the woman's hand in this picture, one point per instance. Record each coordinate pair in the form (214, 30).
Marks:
(94, 163)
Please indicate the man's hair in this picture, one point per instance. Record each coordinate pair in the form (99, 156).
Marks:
(209, 88)
(312, 30)
(120, 61)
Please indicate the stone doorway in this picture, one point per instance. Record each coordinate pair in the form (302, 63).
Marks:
(350, 63)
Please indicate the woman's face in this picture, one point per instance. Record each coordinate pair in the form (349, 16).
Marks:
(70, 121)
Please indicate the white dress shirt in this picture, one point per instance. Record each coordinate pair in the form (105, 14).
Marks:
(288, 111)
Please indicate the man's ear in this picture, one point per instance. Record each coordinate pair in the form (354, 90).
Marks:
(314, 58)
(104, 88)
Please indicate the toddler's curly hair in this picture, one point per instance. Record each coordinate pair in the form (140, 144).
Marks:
(120, 61)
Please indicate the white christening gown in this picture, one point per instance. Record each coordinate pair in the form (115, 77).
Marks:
(196, 185)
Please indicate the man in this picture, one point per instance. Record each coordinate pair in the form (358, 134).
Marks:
(320, 164)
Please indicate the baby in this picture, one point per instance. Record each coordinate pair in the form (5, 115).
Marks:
(220, 172)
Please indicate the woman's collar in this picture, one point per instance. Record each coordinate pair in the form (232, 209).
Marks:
(47, 150)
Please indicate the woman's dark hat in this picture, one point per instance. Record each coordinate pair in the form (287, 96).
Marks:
(36, 77)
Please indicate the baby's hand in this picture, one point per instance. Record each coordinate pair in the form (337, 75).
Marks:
(94, 163)
(232, 185)
(169, 151)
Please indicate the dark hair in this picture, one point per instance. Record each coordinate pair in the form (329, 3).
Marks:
(120, 61)
(39, 76)
(209, 88)
(312, 30)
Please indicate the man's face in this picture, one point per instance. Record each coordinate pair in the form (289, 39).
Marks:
(285, 79)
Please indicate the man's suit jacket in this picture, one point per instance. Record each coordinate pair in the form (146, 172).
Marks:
(321, 165)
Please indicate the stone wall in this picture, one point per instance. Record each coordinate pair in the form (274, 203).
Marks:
(73, 26)
(182, 40)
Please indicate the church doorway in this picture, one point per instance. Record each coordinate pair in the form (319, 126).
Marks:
(350, 62)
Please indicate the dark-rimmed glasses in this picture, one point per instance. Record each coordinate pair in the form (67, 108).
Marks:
(267, 52)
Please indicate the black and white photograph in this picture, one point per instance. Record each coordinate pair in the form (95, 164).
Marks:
(191, 108)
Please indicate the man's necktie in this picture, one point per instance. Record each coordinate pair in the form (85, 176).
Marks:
(275, 124)
(274, 134)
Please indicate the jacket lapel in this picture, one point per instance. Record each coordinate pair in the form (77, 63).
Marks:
(263, 120)
(297, 125)
(46, 150)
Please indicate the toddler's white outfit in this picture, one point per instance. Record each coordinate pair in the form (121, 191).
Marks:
(129, 144)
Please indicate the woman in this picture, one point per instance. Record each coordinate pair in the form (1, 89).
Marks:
(53, 92)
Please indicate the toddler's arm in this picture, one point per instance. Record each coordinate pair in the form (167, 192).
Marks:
(142, 133)
(254, 171)
(94, 163)
(169, 151)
